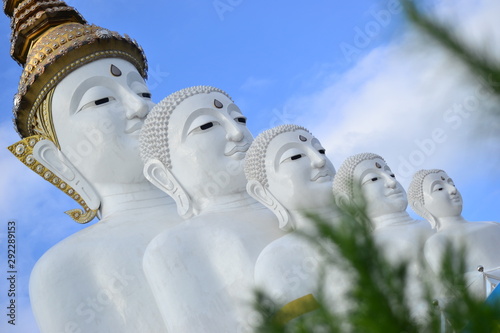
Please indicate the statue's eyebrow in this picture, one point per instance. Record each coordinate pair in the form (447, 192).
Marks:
(437, 181)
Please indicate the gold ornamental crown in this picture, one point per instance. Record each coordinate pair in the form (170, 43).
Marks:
(50, 40)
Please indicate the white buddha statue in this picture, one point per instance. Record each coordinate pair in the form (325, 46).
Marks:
(433, 196)
(367, 179)
(81, 103)
(288, 172)
(193, 144)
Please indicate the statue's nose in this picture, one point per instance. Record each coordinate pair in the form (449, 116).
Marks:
(136, 106)
(390, 181)
(318, 160)
(452, 189)
(234, 133)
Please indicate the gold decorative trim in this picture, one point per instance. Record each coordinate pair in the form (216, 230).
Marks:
(23, 150)
(296, 308)
(42, 119)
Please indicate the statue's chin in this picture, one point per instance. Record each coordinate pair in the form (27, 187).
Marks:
(387, 209)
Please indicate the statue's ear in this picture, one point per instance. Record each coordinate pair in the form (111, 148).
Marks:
(161, 177)
(259, 193)
(262, 195)
(341, 200)
(47, 154)
(420, 210)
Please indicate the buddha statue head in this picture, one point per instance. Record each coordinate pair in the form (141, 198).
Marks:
(287, 171)
(80, 103)
(193, 144)
(433, 195)
(366, 179)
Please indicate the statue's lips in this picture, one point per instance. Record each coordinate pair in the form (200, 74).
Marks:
(237, 149)
(322, 176)
(394, 192)
(133, 125)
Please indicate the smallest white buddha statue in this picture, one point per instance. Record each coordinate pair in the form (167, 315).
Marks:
(433, 196)
(288, 172)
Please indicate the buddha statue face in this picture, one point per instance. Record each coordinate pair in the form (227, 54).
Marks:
(298, 172)
(441, 197)
(382, 193)
(98, 111)
(208, 140)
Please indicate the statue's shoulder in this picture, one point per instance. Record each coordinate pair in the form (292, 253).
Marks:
(422, 224)
(286, 252)
(68, 252)
(191, 238)
(423, 230)
(436, 243)
(99, 246)
(490, 225)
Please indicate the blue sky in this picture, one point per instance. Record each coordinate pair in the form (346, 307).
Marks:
(354, 73)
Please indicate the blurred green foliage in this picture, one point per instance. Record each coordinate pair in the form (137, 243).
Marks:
(382, 305)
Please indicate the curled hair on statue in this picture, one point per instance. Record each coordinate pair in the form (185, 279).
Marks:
(154, 133)
(255, 166)
(343, 188)
(416, 195)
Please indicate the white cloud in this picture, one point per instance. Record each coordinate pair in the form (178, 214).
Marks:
(413, 103)
(395, 97)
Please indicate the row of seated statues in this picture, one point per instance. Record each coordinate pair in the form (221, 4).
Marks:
(195, 213)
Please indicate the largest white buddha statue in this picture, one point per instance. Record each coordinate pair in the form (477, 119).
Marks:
(81, 104)
(434, 196)
(193, 144)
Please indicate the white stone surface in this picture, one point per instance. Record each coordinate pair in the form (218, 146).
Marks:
(299, 179)
(479, 240)
(400, 237)
(201, 272)
(93, 281)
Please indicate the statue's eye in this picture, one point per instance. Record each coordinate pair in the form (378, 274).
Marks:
(393, 175)
(102, 101)
(207, 126)
(374, 179)
(145, 95)
(322, 151)
(295, 157)
(440, 189)
(97, 102)
(242, 120)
